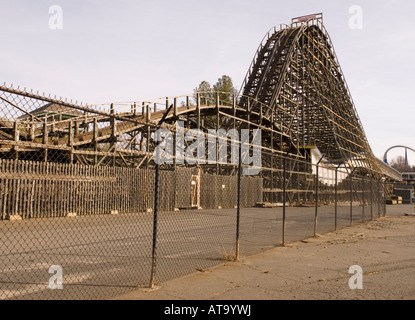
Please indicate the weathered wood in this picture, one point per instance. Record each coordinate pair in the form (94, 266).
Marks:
(40, 190)
(5, 195)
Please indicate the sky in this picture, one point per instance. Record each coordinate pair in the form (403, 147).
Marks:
(100, 51)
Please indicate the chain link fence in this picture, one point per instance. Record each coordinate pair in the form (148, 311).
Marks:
(86, 214)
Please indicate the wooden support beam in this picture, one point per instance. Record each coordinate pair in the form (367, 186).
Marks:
(16, 139)
(45, 140)
(198, 110)
(175, 108)
(148, 129)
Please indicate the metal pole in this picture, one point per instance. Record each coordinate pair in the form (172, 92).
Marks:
(335, 198)
(284, 194)
(335, 202)
(156, 207)
(351, 198)
(316, 199)
(316, 209)
(381, 207)
(155, 221)
(371, 198)
(238, 210)
(384, 200)
(363, 199)
(378, 192)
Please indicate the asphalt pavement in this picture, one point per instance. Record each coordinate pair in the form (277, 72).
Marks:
(374, 260)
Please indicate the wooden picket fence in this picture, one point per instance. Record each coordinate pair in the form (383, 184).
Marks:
(30, 189)
(36, 190)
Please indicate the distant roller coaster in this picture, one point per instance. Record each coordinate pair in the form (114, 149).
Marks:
(385, 157)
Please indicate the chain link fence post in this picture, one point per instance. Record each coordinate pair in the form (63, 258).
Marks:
(238, 208)
(351, 198)
(379, 199)
(371, 198)
(317, 196)
(363, 198)
(155, 225)
(384, 199)
(336, 191)
(284, 198)
(156, 205)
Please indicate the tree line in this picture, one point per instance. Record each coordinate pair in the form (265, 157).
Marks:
(207, 93)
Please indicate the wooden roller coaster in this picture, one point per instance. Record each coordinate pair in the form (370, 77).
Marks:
(294, 91)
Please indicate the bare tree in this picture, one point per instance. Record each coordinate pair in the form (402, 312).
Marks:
(399, 164)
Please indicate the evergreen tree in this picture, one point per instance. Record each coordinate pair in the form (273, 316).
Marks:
(205, 93)
(224, 86)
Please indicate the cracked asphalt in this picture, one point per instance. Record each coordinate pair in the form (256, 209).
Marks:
(312, 269)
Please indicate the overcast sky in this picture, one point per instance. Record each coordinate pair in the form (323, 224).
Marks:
(112, 51)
